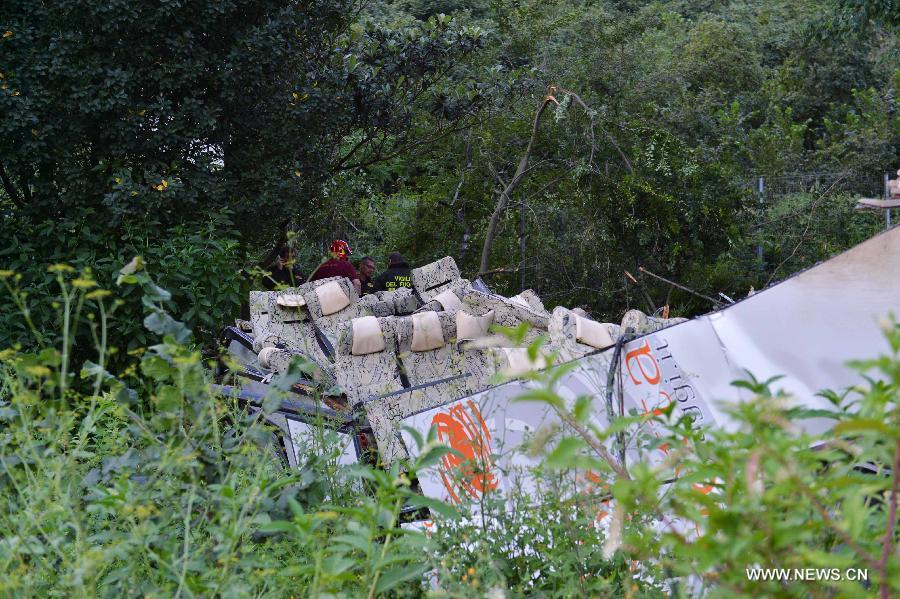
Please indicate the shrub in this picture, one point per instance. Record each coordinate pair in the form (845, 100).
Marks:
(200, 263)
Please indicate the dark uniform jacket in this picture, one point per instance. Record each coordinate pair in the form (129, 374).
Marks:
(393, 278)
(368, 285)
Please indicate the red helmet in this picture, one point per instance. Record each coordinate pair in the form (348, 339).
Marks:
(340, 248)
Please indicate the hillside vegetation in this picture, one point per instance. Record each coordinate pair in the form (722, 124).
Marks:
(544, 144)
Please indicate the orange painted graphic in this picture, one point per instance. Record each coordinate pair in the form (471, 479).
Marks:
(642, 356)
(462, 428)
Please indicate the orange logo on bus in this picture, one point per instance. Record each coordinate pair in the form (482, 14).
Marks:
(462, 428)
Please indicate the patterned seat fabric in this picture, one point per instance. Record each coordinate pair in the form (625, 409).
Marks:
(429, 357)
(432, 279)
(431, 362)
(507, 313)
(530, 299)
(277, 360)
(341, 304)
(384, 415)
(643, 324)
(479, 365)
(404, 300)
(373, 373)
(573, 341)
(379, 307)
(449, 300)
(278, 325)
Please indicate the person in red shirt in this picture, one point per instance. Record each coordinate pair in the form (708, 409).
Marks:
(338, 265)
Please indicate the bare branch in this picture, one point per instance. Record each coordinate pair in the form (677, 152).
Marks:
(513, 183)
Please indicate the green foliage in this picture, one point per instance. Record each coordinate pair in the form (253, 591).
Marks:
(764, 494)
(687, 102)
(137, 109)
(200, 263)
(147, 482)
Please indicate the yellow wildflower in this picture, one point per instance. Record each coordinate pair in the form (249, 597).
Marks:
(83, 283)
(38, 370)
(60, 268)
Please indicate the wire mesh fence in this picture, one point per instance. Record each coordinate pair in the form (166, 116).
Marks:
(847, 182)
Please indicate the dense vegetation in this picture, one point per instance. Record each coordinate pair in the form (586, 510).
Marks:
(551, 144)
(147, 483)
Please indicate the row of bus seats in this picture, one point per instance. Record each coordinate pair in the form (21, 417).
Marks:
(397, 353)
(305, 320)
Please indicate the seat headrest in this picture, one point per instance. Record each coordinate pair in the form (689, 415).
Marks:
(291, 301)
(332, 297)
(520, 363)
(431, 279)
(448, 300)
(368, 337)
(470, 327)
(507, 312)
(427, 333)
(593, 333)
(264, 355)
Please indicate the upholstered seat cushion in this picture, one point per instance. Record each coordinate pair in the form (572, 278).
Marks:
(367, 336)
(448, 300)
(427, 334)
(430, 280)
(404, 300)
(332, 298)
(592, 333)
(507, 313)
(373, 373)
(470, 327)
(573, 336)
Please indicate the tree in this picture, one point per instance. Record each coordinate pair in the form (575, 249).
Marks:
(173, 110)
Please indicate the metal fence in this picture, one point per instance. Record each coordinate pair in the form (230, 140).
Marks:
(771, 190)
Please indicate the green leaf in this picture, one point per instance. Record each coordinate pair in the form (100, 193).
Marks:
(278, 526)
(353, 541)
(433, 455)
(395, 576)
(435, 505)
(563, 455)
(337, 564)
(860, 425)
(542, 395)
(163, 324)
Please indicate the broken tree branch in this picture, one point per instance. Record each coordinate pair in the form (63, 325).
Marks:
(716, 302)
(507, 190)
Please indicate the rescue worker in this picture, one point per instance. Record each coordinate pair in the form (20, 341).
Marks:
(397, 275)
(366, 269)
(338, 265)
